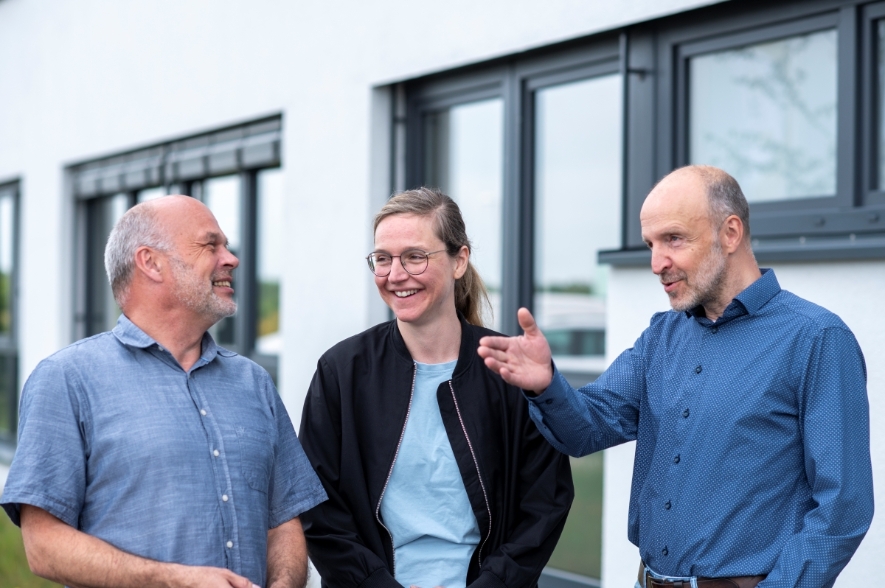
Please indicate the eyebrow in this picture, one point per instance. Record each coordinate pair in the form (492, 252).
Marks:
(213, 237)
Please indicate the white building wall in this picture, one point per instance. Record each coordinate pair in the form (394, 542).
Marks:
(853, 290)
(87, 78)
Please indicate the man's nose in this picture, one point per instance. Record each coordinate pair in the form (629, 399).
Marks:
(659, 261)
(230, 260)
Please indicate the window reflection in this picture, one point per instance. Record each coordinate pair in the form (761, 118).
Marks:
(8, 351)
(766, 113)
(464, 147)
(223, 197)
(577, 212)
(7, 236)
(103, 214)
(269, 272)
(881, 106)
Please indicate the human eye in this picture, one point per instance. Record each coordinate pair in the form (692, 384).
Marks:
(414, 256)
(381, 259)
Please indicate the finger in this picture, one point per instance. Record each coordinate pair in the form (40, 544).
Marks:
(527, 322)
(495, 342)
(497, 354)
(493, 364)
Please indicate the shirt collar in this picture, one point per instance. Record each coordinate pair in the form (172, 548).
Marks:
(128, 333)
(749, 301)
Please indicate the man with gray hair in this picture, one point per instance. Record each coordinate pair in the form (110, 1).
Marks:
(747, 403)
(149, 456)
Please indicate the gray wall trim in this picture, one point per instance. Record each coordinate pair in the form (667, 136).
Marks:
(848, 248)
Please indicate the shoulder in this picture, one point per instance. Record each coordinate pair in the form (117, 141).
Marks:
(91, 351)
(809, 314)
(374, 340)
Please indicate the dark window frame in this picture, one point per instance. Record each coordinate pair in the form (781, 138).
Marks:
(848, 225)
(244, 150)
(513, 80)
(9, 349)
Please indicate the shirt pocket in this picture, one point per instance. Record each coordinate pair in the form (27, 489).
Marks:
(256, 456)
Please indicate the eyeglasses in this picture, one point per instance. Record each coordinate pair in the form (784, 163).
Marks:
(414, 261)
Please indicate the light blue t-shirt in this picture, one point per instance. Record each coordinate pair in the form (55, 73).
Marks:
(425, 506)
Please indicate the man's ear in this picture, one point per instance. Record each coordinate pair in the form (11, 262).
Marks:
(150, 263)
(731, 235)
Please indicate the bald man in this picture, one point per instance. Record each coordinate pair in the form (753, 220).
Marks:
(149, 456)
(748, 405)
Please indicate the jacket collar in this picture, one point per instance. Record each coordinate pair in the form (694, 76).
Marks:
(466, 354)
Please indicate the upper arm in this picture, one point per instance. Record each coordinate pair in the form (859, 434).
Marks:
(49, 467)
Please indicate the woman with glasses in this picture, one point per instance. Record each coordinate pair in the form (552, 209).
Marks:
(435, 473)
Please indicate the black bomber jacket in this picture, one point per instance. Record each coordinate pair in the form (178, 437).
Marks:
(520, 488)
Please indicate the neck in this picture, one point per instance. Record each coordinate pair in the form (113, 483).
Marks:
(178, 334)
(438, 342)
(738, 279)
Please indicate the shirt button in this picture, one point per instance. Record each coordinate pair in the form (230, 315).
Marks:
(548, 401)
(216, 453)
(698, 369)
(676, 459)
(664, 551)
(224, 497)
(202, 412)
(686, 412)
(667, 506)
(714, 330)
(230, 544)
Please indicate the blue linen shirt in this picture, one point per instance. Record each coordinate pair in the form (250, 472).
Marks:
(117, 440)
(425, 505)
(752, 432)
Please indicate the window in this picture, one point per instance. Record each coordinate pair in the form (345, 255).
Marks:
(235, 172)
(767, 113)
(531, 150)
(8, 316)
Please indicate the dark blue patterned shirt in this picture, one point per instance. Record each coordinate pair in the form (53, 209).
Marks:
(115, 439)
(752, 432)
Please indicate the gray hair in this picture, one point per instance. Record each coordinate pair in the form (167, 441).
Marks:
(137, 228)
(724, 196)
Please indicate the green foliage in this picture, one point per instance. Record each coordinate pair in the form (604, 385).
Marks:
(268, 308)
(572, 288)
(14, 572)
(580, 548)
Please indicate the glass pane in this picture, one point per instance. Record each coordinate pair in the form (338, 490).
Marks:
(577, 213)
(8, 395)
(7, 257)
(881, 105)
(269, 272)
(152, 193)
(766, 113)
(102, 215)
(464, 147)
(222, 195)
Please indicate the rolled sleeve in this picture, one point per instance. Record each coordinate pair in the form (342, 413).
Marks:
(294, 486)
(49, 467)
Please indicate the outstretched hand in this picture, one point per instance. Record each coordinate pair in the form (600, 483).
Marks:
(522, 361)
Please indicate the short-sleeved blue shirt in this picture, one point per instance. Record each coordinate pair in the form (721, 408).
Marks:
(117, 440)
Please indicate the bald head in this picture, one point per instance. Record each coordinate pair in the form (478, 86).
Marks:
(723, 195)
(152, 224)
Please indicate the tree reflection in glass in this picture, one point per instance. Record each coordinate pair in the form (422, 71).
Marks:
(766, 113)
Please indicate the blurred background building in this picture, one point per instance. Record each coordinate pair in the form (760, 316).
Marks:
(547, 121)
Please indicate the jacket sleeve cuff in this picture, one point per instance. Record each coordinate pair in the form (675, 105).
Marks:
(380, 578)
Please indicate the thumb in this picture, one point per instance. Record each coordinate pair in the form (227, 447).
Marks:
(527, 322)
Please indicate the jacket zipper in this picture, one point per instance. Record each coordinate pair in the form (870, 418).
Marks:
(390, 472)
(478, 474)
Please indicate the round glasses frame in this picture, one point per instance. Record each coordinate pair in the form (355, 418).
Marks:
(418, 265)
